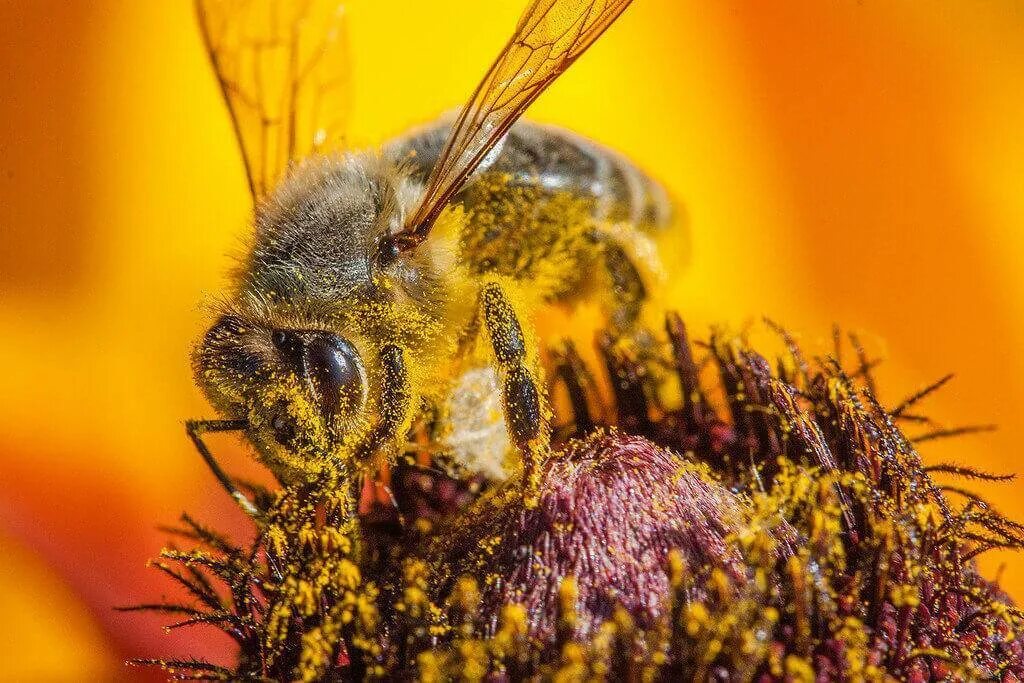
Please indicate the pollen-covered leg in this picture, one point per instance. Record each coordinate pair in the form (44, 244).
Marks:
(522, 405)
(523, 411)
(395, 401)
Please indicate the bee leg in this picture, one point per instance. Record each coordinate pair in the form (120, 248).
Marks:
(195, 430)
(627, 286)
(628, 295)
(393, 501)
(396, 399)
(521, 396)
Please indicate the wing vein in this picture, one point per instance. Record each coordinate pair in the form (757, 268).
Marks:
(548, 38)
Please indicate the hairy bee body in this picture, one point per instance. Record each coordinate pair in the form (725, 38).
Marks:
(554, 209)
(394, 288)
(544, 203)
(555, 215)
(557, 160)
(567, 218)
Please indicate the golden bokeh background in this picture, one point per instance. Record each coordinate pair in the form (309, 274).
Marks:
(859, 162)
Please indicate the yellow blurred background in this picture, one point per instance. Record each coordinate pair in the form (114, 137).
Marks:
(859, 162)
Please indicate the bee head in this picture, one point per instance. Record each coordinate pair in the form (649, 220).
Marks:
(303, 392)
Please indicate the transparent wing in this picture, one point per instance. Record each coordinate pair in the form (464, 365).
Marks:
(284, 72)
(550, 36)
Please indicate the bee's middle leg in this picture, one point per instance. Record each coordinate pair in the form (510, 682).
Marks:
(522, 400)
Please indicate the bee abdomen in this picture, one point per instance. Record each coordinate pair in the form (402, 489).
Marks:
(560, 161)
(556, 160)
(553, 209)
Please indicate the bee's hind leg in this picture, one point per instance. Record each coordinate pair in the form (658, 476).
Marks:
(628, 292)
(526, 421)
(627, 296)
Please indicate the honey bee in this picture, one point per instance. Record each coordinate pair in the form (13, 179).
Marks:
(380, 285)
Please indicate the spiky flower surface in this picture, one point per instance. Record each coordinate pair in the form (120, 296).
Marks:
(785, 529)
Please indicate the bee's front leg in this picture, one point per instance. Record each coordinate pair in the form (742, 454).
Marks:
(196, 429)
(526, 423)
(395, 405)
(395, 402)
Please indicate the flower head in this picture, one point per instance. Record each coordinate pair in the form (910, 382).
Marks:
(787, 530)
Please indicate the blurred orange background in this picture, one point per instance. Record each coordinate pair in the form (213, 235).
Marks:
(841, 161)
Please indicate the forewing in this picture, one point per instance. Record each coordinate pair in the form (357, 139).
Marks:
(550, 36)
(283, 69)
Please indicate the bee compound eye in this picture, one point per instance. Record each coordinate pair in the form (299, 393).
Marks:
(336, 372)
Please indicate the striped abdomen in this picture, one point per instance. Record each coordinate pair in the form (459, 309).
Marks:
(557, 160)
(550, 207)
